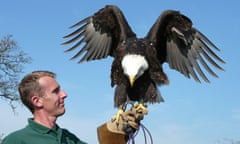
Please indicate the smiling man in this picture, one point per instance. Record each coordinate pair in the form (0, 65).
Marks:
(42, 95)
(50, 104)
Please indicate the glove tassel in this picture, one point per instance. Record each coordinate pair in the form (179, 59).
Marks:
(146, 133)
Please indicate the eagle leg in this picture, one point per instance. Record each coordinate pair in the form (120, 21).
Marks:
(120, 111)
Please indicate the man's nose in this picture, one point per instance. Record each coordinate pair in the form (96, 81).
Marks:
(63, 93)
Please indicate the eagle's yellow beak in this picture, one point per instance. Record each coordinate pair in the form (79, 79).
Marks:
(132, 80)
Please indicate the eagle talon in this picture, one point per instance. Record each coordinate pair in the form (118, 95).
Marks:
(140, 107)
(118, 115)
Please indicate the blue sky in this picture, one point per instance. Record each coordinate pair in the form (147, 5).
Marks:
(192, 112)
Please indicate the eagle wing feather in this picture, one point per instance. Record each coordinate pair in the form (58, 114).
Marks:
(100, 34)
(182, 46)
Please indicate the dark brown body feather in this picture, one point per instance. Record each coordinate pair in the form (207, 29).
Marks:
(145, 87)
(171, 39)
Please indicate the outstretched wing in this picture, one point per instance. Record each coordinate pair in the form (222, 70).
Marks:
(182, 46)
(100, 34)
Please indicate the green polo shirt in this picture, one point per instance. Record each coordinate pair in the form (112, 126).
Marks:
(35, 133)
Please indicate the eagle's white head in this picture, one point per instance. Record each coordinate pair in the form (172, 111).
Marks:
(134, 66)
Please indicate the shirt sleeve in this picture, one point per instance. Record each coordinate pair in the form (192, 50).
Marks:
(12, 139)
(70, 138)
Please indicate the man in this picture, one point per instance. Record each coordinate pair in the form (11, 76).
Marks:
(42, 95)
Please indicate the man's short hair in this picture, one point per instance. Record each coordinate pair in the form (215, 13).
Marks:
(29, 86)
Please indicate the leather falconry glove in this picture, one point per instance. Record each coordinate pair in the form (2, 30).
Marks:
(117, 132)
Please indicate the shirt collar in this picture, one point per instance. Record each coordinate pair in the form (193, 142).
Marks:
(40, 128)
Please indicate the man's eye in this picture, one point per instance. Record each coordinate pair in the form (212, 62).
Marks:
(56, 90)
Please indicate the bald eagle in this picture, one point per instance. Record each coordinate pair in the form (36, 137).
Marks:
(137, 65)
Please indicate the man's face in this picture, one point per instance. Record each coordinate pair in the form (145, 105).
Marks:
(53, 98)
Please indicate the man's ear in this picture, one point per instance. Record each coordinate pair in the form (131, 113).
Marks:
(37, 101)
